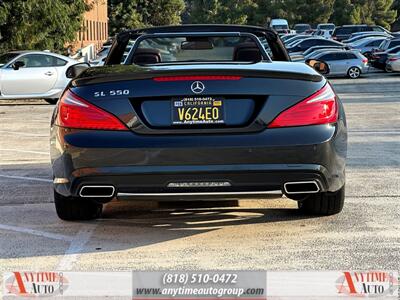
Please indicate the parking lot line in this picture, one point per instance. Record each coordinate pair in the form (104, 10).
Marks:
(25, 151)
(76, 247)
(54, 236)
(26, 178)
(6, 132)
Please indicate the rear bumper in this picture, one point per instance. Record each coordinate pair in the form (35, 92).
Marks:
(253, 164)
(393, 67)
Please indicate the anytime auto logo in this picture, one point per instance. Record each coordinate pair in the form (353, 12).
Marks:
(197, 87)
(35, 284)
(367, 284)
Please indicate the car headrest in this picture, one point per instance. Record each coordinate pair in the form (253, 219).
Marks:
(146, 56)
(247, 52)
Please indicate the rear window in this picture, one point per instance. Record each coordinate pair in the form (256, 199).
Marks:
(374, 43)
(394, 43)
(280, 27)
(326, 27)
(302, 27)
(341, 56)
(58, 62)
(349, 30)
(351, 55)
(343, 30)
(328, 57)
(394, 49)
(379, 29)
(156, 49)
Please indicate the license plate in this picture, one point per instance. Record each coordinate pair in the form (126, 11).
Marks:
(198, 111)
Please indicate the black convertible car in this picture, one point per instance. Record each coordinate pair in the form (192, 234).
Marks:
(198, 112)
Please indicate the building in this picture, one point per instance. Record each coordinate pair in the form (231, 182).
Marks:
(94, 31)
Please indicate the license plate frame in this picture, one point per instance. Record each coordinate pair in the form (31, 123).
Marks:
(194, 111)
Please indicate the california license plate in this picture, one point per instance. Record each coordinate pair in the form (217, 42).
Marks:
(198, 111)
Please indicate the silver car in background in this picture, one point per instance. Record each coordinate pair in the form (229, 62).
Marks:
(393, 63)
(311, 52)
(33, 74)
(364, 34)
(366, 45)
(344, 63)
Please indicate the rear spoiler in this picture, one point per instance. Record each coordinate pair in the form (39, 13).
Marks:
(125, 73)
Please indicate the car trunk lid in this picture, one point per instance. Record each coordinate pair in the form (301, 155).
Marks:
(198, 98)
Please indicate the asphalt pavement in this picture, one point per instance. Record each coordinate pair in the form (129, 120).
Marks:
(255, 234)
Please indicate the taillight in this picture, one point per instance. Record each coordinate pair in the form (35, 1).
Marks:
(319, 108)
(365, 60)
(393, 59)
(74, 112)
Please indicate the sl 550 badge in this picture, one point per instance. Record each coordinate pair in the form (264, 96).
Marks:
(111, 93)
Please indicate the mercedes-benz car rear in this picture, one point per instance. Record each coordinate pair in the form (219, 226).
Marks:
(198, 112)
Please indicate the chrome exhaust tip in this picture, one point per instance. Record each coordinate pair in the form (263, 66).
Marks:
(97, 191)
(301, 187)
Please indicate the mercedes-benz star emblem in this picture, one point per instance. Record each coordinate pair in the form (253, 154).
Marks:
(197, 87)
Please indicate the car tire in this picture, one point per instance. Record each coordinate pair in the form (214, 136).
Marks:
(354, 72)
(388, 69)
(323, 204)
(51, 101)
(75, 208)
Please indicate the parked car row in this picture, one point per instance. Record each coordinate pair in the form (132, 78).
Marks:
(351, 50)
(380, 59)
(282, 27)
(41, 74)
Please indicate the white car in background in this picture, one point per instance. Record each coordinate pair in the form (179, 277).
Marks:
(393, 63)
(280, 25)
(33, 74)
(327, 34)
(100, 57)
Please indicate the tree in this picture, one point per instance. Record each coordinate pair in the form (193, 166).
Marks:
(378, 12)
(309, 11)
(295, 11)
(128, 14)
(375, 12)
(270, 9)
(344, 12)
(396, 24)
(383, 14)
(46, 24)
(220, 11)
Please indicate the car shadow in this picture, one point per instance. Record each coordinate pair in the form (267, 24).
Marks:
(126, 225)
(197, 214)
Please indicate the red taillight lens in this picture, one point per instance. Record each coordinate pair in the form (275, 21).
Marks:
(319, 108)
(365, 60)
(74, 112)
(394, 59)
